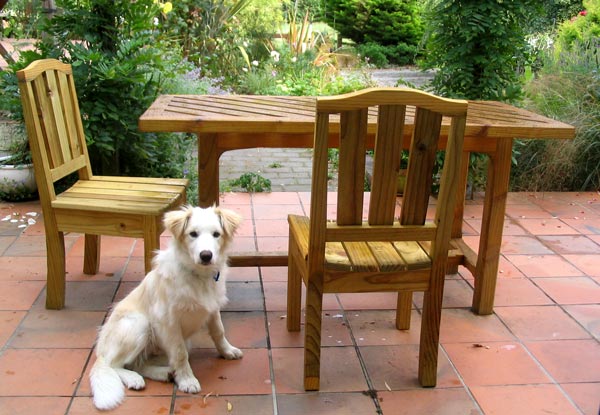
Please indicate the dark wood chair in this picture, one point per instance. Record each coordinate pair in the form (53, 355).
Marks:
(382, 253)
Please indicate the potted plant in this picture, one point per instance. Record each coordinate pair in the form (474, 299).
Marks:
(17, 179)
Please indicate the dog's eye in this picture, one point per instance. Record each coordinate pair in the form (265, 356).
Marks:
(216, 234)
(194, 234)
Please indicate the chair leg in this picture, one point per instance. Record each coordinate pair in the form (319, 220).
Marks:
(312, 337)
(55, 285)
(151, 240)
(294, 291)
(403, 310)
(91, 254)
(430, 338)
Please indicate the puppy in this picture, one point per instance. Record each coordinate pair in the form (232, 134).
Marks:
(184, 291)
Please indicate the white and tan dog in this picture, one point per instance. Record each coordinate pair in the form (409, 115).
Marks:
(184, 292)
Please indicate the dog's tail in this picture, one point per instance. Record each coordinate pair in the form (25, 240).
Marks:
(107, 388)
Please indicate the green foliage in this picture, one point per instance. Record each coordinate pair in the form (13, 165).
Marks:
(381, 56)
(476, 47)
(387, 22)
(584, 29)
(120, 65)
(22, 18)
(252, 182)
(568, 89)
(210, 33)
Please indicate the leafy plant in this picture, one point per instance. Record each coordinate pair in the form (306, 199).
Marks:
(252, 182)
(476, 47)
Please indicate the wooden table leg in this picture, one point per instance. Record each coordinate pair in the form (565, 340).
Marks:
(208, 170)
(492, 224)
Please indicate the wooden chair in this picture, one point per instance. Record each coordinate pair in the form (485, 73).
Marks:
(94, 205)
(350, 255)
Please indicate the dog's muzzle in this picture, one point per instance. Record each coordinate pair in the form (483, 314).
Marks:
(206, 257)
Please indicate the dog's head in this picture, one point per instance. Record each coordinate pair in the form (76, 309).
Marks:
(203, 233)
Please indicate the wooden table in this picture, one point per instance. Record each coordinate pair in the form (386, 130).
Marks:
(233, 122)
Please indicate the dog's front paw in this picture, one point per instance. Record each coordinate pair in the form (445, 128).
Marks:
(231, 353)
(189, 385)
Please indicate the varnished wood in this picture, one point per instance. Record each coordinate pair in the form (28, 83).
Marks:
(354, 256)
(94, 205)
(233, 122)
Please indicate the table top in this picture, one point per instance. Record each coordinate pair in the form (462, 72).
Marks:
(244, 114)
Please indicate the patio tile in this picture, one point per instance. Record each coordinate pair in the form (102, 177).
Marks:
(457, 293)
(585, 396)
(274, 274)
(9, 321)
(89, 296)
(544, 266)
(234, 198)
(495, 363)
(41, 372)
(30, 405)
(463, 326)
(534, 399)
(334, 331)
(276, 212)
(111, 269)
(428, 401)
(58, 329)
(242, 329)
(278, 227)
(23, 268)
(19, 295)
(541, 323)
(5, 243)
(566, 244)
(588, 315)
(584, 225)
(150, 405)
(526, 211)
(510, 227)
(247, 376)
(569, 360)
(396, 367)
(546, 226)
(340, 370)
(243, 274)
(275, 198)
(244, 296)
(523, 245)
(369, 301)
(276, 297)
(590, 264)
(378, 327)
(325, 403)
(272, 243)
(571, 290)
(153, 388)
(243, 244)
(109, 246)
(230, 404)
(519, 291)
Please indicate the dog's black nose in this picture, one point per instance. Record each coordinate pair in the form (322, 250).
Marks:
(206, 256)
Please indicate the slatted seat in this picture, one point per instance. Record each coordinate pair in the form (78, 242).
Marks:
(94, 205)
(384, 252)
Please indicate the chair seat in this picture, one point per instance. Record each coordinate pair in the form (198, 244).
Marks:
(135, 195)
(365, 256)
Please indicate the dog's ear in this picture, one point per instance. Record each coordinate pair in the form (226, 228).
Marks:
(176, 221)
(230, 220)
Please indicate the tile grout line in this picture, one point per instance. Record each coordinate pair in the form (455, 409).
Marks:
(269, 348)
(371, 392)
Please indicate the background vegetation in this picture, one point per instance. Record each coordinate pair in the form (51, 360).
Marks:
(542, 54)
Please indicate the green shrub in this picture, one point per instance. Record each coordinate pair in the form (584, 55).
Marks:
(476, 47)
(567, 89)
(386, 22)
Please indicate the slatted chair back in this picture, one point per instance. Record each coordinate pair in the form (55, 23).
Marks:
(51, 112)
(392, 106)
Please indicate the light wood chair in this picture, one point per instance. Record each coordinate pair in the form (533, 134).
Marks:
(94, 205)
(349, 254)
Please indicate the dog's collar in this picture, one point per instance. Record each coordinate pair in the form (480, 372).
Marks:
(217, 276)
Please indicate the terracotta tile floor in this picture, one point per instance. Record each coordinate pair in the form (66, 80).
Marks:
(539, 353)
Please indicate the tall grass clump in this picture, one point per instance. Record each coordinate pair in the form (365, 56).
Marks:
(567, 89)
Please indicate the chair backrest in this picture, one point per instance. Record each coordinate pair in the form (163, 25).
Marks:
(401, 114)
(53, 123)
